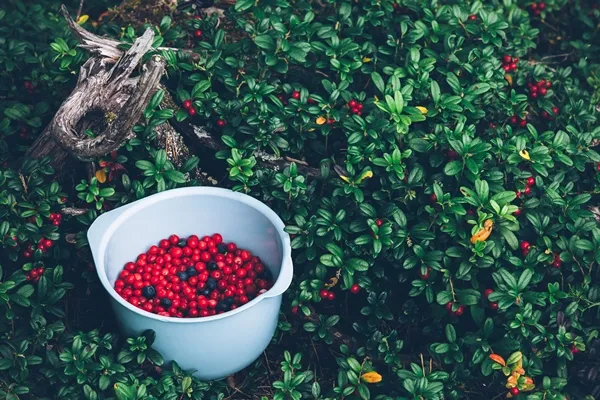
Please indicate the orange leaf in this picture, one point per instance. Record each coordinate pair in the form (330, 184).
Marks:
(483, 234)
(498, 359)
(101, 175)
(371, 377)
(508, 79)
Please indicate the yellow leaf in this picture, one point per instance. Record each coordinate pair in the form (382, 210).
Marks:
(81, 20)
(371, 377)
(345, 178)
(508, 79)
(511, 382)
(321, 120)
(366, 175)
(332, 282)
(482, 235)
(376, 99)
(101, 175)
(498, 359)
(528, 381)
(422, 109)
(366, 59)
(525, 154)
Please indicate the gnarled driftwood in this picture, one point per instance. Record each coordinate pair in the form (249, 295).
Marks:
(106, 99)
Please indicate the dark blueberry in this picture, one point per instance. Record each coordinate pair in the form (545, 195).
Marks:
(211, 283)
(204, 292)
(222, 247)
(211, 265)
(191, 271)
(149, 292)
(183, 276)
(166, 303)
(222, 306)
(230, 300)
(182, 243)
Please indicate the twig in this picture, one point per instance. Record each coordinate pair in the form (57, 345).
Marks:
(74, 211)
(80, 9)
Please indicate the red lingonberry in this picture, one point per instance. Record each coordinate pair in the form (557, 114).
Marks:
(513, 120)
(530, 181)
(513, 66)
(524, 245)
(221, 123)
(527, 191)
(433, 198)
(518, 212)
(323, 293)
(379, 222)
(296, 95)
(493, 306)
(541, 5)
(487, 292)
(523, 123)
(449, 307)
(555, 110)
(472, 17)
(330, 296)
(574, 350)
(515, 391)
(507, 59)
(425, 276)
(352, 104)
(543, 91)
(198, 33)
(354, 288)
(294, 310)
(187, 104)
(459, 311)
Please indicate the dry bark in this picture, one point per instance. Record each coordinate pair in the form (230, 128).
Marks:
(106, 98)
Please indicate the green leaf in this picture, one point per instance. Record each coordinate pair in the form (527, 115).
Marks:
(265, 42)
(378, 81)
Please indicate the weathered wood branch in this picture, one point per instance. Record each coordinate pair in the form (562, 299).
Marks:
(201, 136)
(106, 99)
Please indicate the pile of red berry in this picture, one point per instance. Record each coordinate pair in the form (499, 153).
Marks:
(537, 8)
(189, 106)
(509, 63)
(539, 88)
(355, 107)
(193, 277)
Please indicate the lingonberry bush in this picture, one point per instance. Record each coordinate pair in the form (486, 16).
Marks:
(435, 164)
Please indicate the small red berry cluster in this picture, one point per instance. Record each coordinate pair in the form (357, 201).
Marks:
(29, 87)
(537, 8)
(546, 115)
(43, 245)
(509, 63)
(355, 107)
(491, 305)
(529, 183)
(525, 247)
(35, 274)
(459, 311)
(193, 277)
(538, 89)
(517, 121)
(327, 294)
(189, 107)
(23, 133)
(56, 218)
(556, 261)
